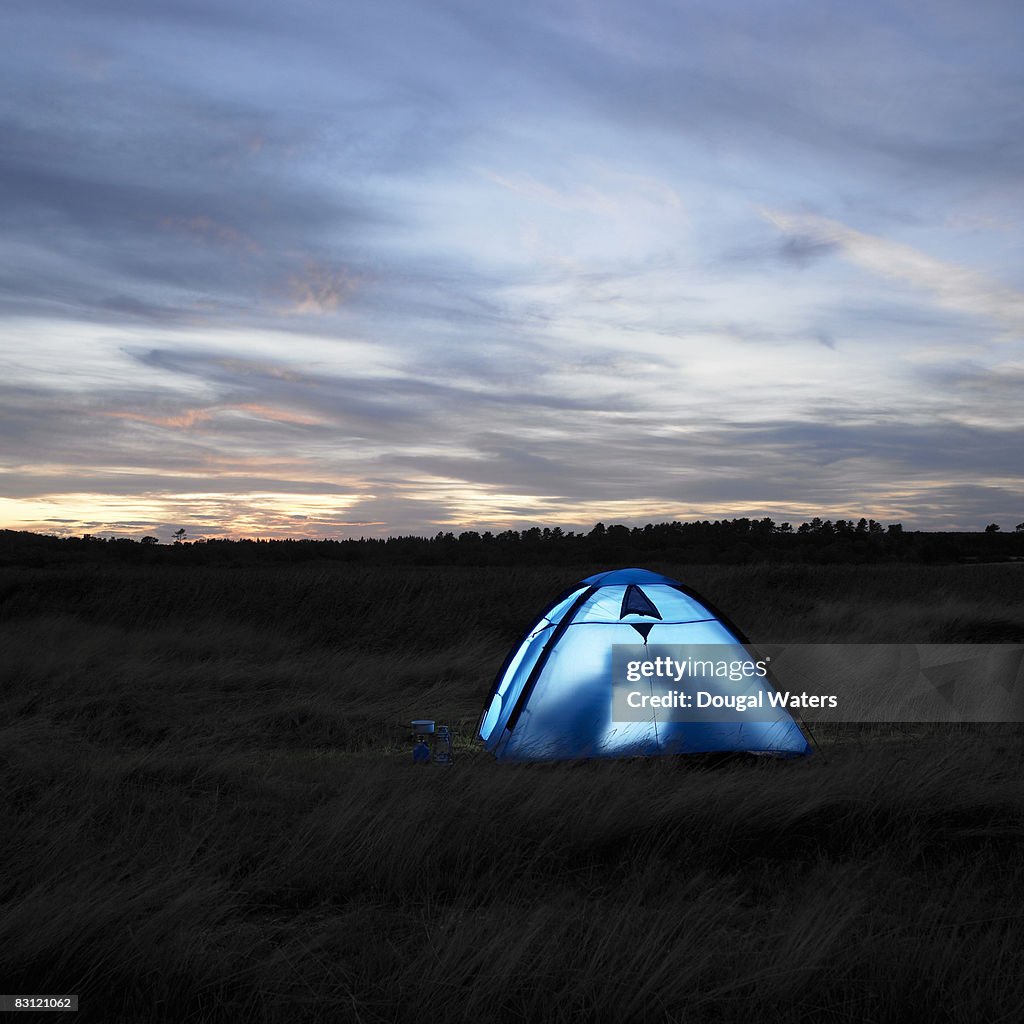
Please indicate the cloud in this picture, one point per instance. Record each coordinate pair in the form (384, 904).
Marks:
(480, 264)
(952, 286)
(805, 249)
(620, 191)
(206, 230)
(414, 455)
(319, 289)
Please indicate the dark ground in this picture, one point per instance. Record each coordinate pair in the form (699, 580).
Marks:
(210, 815)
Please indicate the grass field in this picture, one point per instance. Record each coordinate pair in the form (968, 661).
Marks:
(210, 814)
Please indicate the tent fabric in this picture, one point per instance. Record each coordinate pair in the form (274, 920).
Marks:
(552, 697)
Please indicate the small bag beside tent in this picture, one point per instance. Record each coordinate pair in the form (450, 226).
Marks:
(552, 699)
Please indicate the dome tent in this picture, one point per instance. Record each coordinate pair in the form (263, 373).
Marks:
(552, 698)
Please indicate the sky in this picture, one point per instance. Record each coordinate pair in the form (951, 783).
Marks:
(334, 269)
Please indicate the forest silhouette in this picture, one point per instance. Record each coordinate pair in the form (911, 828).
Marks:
(699, 542)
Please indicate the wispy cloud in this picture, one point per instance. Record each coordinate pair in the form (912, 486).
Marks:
(319, 289)
(951, 285)
(471, 264)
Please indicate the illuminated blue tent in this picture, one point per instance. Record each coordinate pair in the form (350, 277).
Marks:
(552, 699)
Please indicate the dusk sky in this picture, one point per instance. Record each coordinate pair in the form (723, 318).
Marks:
(343, 269)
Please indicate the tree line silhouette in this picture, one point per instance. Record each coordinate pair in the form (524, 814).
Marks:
(725, 541)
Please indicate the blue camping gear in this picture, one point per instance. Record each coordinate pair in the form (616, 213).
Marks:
(552, 699)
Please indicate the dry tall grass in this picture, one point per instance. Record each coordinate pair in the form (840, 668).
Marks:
(210, 815)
